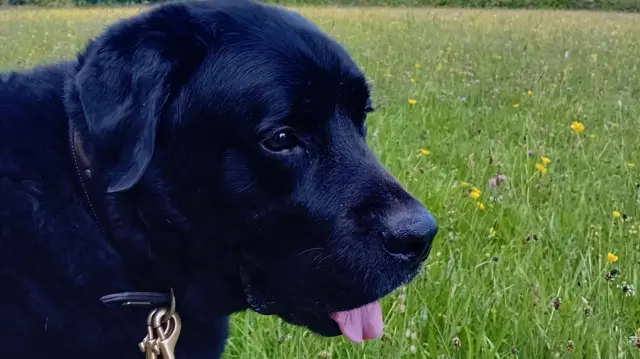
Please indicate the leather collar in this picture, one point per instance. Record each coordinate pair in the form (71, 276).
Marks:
(90, 187)
(84, 172)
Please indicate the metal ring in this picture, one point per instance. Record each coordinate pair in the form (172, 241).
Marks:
(151, 316)
(163, 330)
(158, 317)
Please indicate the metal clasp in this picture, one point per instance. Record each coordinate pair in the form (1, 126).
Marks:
(163, 329)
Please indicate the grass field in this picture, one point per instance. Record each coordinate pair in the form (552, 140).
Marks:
(521, 269)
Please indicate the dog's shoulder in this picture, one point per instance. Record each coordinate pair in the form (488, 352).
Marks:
(36, 188)
(36, 184)
(49, 243)
(32, 112)
(34, 84)
(32, 121)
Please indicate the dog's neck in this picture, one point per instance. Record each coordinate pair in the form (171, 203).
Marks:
(145, 230)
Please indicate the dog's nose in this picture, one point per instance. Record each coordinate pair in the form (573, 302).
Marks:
(409, 233)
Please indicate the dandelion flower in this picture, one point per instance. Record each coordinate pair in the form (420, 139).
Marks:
(516, 105)
(480, 206)
(612, 258)
(545, 160)
(616, 214)
(542, 168)
(529, 92)
(630, 164)
(417, 66)
(474, 195)
(425, 151)
(412, 101)
(577, 126)
(412, 80)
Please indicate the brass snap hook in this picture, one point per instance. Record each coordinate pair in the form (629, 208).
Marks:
(163, 330)
(167, 333)
(148, 344)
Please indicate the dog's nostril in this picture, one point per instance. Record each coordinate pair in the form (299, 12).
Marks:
(410, 236)
(409, 245)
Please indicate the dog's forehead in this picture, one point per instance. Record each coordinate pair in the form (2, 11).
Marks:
(278, 60)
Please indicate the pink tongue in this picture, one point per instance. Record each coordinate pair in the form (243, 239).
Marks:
(361, 323)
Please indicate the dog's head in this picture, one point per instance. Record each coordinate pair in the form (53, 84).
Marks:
(251, 123)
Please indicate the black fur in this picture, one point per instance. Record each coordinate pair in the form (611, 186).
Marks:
(181, 108)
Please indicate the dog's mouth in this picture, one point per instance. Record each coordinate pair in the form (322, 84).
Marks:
(361, 323)
(353, 313)
(357, 324)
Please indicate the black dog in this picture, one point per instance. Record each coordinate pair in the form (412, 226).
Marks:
(216, 148)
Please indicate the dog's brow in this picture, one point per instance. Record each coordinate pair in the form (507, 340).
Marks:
(368, 107)
(360, 92)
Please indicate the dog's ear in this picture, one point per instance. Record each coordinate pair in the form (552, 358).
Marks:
(124, 81)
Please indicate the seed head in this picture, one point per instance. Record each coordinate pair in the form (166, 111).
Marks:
(570, 346)
(456, 342)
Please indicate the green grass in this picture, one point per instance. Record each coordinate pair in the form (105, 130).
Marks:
(484, 284)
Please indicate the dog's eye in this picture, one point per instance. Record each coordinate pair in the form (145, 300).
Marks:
(282, 140)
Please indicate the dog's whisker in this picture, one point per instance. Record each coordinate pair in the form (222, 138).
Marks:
(310, 250)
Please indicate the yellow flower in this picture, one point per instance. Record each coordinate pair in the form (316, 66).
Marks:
(545, 160)
(474, 195)
(540, 167)
(413, 81)
(438, 68)
(480, 206)
(616, 214)
(412, 101)
(577, 126)
(529, 92)
(475, 189)
(515, 105)
(630, 164)
(425, 151)
(612, 258)
(417, 66)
